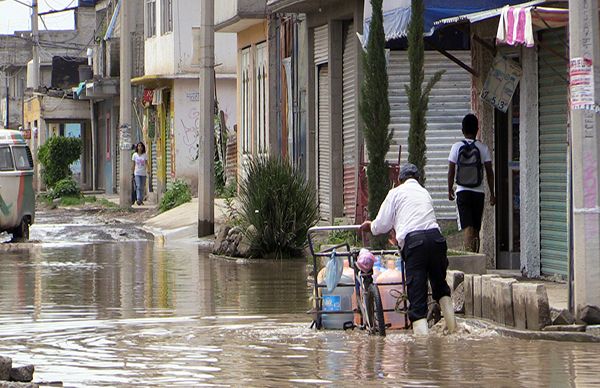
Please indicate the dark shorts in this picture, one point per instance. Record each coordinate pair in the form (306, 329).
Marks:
(425, 258)
(470, 208)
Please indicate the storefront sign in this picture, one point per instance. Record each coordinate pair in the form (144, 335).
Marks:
(502, 80)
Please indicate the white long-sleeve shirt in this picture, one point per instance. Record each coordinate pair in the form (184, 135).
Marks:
(406, 208)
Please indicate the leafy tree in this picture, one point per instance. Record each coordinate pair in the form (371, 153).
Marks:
(418, 98)
(375, 111)
(56, 155)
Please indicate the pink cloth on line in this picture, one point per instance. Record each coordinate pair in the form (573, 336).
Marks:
(515, 26)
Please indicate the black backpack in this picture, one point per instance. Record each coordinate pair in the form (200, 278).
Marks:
(469, 169)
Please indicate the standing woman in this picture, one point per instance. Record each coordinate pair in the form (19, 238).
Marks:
(140, 168)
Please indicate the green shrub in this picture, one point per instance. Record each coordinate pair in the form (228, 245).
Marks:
(56, 155)
(178, 193)
(72, 201)
(65, 188)
(278, 206)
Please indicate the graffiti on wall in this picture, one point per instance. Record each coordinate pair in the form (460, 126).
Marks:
(191, 124)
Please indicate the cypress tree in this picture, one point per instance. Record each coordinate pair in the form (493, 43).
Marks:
(418, 98)
(374, 109)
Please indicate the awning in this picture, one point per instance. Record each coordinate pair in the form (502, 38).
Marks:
(482, 15)
(517, 23)
(397, 13)
(113, 25)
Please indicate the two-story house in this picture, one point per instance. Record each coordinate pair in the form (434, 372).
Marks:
(170, 118)
(271, 91)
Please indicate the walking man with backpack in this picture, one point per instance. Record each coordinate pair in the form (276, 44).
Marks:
(466, 163)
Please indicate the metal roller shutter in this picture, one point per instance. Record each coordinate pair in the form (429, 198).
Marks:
(553, 105)
(169, 161)
(323, 144)
(154, 167)
(321, 46)
(349, 122)
(449, 102)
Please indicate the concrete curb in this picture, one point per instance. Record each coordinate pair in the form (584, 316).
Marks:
(532, 334)
(184, 234)
(163, 237)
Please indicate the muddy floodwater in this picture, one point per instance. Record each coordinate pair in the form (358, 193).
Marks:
(125, 313)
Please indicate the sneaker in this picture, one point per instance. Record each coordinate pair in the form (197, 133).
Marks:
(139, 203)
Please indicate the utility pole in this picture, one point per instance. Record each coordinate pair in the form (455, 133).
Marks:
(7, 119)
(36, 41)
(206, 180)
(584, 42)
(125, 106)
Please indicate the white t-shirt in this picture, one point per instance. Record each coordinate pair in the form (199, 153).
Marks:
(484, 152)
(140, 163)
(406, 208)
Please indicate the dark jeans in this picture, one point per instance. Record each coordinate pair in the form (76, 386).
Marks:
(425, 259)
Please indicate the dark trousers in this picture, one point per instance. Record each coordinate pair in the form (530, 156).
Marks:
(425, 257)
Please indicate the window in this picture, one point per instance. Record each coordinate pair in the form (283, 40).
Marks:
(150, 18)
(23, 158)
(166, 23)
(6, 162)
(246, 102)
(261, 100)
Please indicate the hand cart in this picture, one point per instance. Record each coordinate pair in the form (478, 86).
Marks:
(369, 307)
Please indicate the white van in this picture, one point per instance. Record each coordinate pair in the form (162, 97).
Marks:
(17, 198)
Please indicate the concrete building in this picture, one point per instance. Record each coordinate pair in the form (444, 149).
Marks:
(271, 92)
(16, 53)
(170, 81)
(328, 83)
(47, 109)
(101, 90)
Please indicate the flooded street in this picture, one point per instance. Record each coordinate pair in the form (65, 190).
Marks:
(116, 313)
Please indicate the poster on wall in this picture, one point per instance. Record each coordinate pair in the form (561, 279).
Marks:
(501, 82)
(581, 74)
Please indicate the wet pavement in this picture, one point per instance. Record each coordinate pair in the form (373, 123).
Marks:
(102, 308)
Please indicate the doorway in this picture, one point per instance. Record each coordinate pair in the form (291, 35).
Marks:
(508, 216)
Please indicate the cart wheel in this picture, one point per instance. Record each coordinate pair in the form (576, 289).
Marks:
(374, 306)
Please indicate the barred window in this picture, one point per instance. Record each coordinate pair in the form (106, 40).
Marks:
(150, 18)
(167, 16)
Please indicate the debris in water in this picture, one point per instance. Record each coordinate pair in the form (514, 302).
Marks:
(5, 237)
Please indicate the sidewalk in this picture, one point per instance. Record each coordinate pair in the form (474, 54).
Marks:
(181, 223)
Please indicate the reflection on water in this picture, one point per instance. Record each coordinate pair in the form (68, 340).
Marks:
(131, 314)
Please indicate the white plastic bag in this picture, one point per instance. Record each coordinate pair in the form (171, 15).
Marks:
(334, 270)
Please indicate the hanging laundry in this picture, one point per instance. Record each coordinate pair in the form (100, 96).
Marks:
(515, 26)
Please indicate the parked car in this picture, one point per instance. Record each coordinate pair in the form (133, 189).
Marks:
(17, 198)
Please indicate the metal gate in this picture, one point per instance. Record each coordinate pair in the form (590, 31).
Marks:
(449, 102)
(321, 46)
(349, 121)
(553, 106)
(324, 144)
(321, 56)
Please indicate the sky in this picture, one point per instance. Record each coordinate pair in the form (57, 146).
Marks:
(15, 16)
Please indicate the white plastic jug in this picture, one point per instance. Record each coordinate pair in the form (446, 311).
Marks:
(341, 298)
(391, 275)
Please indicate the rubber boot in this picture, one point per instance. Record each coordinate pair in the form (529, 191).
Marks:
(421, 327)
(448, 312)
